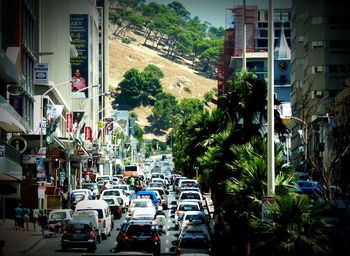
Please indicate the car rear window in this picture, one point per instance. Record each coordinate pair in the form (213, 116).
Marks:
(79, 226)
(99, 211)
(110, 201)
(140, 204)
(111, 193)
(186, 207)
(194, 243)
(190, 196)
(200, 218)
(140, 230)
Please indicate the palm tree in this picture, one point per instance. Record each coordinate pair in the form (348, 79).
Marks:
(295, 229)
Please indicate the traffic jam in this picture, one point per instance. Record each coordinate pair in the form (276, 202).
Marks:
(157, 213)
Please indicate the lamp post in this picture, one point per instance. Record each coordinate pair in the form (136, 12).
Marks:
(101, 94)
(69, 134)
(42, 105)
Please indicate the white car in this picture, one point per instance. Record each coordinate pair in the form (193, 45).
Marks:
(60, 214)
(117, 193)
(143, 214)
(195, 217)
(183, 207)
(194, 196)
(140, 203)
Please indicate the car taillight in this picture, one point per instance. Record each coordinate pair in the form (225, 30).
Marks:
(155, 238)
(128, 238)
(91, 234)
(178, 250)
(119, 237)
(64, 233)
(177, 212)
(104, 223)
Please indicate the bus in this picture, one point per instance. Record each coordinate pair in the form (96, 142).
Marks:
(131, 170)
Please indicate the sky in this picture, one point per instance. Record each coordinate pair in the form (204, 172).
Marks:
(214, 11)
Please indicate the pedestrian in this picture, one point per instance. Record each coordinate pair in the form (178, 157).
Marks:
(132, 182)
(26, 212)
(18, 217)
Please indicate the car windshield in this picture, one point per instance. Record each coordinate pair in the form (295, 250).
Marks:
(125, 188)
(111, 193)
(89, 186)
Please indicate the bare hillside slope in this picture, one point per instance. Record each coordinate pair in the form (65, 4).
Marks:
(176, 76)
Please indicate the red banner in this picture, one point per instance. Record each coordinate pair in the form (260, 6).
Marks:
(88, 133)
(69, 122)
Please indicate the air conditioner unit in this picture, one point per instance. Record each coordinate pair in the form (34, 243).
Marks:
(317, 94)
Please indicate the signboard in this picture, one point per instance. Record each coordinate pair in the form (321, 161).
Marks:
(41, 73)
(77, 117)
(69, 122)
(41, 191)
(40, 165)
(267, 201)
(42, 152)
(88, 133)
(122, 120)
(79, 29)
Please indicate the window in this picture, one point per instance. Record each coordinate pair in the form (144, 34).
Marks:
(300, 61)
(317, 20)
(317, 69)
(317, 44)
(300, 39)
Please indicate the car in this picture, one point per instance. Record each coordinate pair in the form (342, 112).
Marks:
(176, 182)
(127, 189)
(157, 175)
(60, 214)
(309, 187)
(193, 217)
(104, 214)
(184, 207)
(118, 193)
(114, 206)
(186, 183)
(143, 214)
(192, 196)
(93, 188)
(90, 216)
(195, 227)
(149, 195)
(140, 203)
(79, 234)
(141, 236)
(193, 243)
(88, 192)
(163, 195)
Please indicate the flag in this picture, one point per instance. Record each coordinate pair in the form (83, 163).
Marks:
(53, 113)
(88, 133)
(101, 124)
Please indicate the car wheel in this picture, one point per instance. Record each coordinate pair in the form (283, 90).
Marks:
(64, 248)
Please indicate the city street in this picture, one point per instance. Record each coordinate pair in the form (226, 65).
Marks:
(52, 246)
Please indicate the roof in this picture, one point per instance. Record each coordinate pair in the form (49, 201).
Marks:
(282, 50)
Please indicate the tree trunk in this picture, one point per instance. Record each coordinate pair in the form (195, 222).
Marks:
(147, 37)
(160, 39)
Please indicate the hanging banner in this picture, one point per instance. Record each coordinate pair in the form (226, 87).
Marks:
(109, 125)
(77, 117)
(53, 113)
(79, 32)
(88, 133)
(69, 122)
(121, 118)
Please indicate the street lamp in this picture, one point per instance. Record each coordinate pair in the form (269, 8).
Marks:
(42, 105)
(101, 94)
(69, 132)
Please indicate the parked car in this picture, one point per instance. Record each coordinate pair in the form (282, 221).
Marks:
(60, 214)
(309, 187)
(79, 234)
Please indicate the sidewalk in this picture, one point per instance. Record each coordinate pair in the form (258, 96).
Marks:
(18, 241)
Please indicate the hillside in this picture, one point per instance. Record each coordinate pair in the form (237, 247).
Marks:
(176, 76)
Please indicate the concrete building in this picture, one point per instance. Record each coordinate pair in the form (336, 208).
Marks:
(18, 53)
(320, 69)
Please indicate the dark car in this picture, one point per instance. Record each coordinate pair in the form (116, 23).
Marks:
(79, 234)
(139, 236)
(193, 243)
(309, 187)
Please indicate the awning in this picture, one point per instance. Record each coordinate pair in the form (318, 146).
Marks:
(65, 144)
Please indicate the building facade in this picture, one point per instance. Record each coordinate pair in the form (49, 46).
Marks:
(320, 71)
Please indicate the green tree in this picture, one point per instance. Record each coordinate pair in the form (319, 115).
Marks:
(154, 71)
(164, 109)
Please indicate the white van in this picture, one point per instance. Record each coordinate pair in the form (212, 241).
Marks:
(104, 215)
(91, 216)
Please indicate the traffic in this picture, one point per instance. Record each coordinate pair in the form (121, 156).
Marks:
(156, 212)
